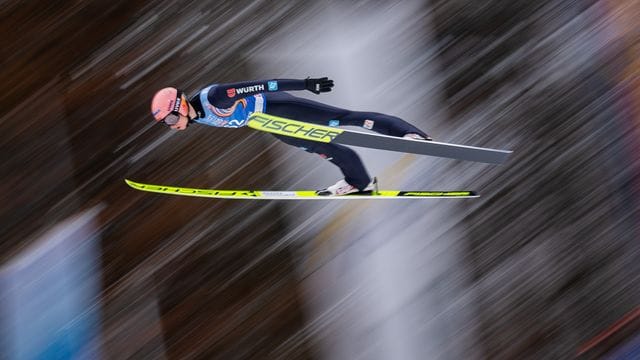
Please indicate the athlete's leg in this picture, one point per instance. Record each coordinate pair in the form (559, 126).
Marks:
(380, 123)
(286, 105)
(346, 159)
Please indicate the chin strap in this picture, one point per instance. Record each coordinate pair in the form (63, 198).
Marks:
(192, 120)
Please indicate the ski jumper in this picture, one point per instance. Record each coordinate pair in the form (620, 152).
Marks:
(230, 105)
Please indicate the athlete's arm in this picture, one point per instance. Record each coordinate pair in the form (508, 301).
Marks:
(224, 95)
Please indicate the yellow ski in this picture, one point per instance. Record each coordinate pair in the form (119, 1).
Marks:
(296, 195)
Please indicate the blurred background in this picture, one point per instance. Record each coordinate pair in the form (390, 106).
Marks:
(543, 266)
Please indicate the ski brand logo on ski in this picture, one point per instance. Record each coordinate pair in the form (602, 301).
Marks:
(299, 194)
(291, 128)
(193, 192)
(436, 193)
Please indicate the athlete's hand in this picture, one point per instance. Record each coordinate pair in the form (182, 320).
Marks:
(318, 86)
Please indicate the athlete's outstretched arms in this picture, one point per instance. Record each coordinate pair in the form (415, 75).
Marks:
(224, 95)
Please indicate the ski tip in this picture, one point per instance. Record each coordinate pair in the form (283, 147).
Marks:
(131, 183)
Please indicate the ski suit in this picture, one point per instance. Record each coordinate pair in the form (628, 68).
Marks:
(231, 104)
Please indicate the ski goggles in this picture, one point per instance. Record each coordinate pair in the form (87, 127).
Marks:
(174, 116)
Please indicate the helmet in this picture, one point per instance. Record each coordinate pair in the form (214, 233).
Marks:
(167, 104)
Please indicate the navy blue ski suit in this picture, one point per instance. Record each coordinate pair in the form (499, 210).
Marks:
(230, 105)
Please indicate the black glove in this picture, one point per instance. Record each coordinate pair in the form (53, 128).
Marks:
(318, 86)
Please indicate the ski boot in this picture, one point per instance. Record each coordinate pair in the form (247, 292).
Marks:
(344, 188)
